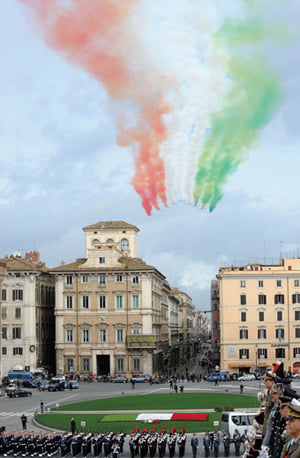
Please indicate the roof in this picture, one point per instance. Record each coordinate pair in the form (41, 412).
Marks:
(18, 263)
(124, 263)
(111, 225)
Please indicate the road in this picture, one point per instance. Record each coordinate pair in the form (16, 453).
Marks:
(11, 409)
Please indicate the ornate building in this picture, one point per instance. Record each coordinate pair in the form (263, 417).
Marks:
(27, 314)
(111, 308)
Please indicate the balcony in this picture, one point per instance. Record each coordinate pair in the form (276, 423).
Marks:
(142, 341)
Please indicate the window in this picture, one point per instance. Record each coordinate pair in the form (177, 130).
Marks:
(280, 353)
(297, 315)
(119, 335)
(16, 333)
(262, 353)
(119, 302)
(85, 279)
(261, 316)
(85, 335)
(102, 335)
(69, 280)
(244, 353)
(278, 283)
(262, 299)
(296, 283)
(70, 365)
(17, 294)
(279, 298)
(120, 365)
(95, 241)
(135, 301)
(136, 364)
(260, 283)
(69, 301)
(135, 280)
(124, 245)
(261, 333)
(69, 335)
(296, 352)
(101, 260)
(135, 331)
(4, 313)
(243, 316)
(85, 302)
(17, 312)
(4, 295)
(243, 299)
(279, 333)
(4, 351)
(17, 351)
(243, 333)
(85, 364)
(297, 332)
(296, 298)
(4, 333)
(102, 302)
(119, 278)
(279, 315)
(102, 280)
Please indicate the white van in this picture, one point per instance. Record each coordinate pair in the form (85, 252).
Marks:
(238, 419)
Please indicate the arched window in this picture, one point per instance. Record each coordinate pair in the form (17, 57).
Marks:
(95, 241)
(124, 245)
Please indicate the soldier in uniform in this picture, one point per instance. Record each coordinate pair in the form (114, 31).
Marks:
(152, 442)
(181, 441)
(270, 380)
(162, 442)
(172, 442)
(292, 447)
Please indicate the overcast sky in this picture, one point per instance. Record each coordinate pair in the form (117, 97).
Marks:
(61, 168)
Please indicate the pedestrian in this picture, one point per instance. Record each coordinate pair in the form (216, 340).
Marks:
(226, 442)
(73, 425)
(206, 444)
(241, 388)
(237, 442)
(42, 407)
(216, 442)
(132, 383)
(194, 445)
(176, 388)
(24, 421)
(181, 388)
(171, 383)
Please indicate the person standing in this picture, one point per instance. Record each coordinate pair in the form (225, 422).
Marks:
(73, 425)
(24, 421)
(194, 445)
(241, 388)
(226, 442)
(237, 442)
(206, 444)
(216, 443)
(292, 446)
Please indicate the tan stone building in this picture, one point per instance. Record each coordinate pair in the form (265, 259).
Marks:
(259, 309)
(27, 314)
(111, 307)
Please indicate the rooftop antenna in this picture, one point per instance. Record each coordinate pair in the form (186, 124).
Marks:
(281, 243)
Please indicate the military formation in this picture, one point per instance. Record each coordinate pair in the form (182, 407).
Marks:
(275, 432)
(157, 443)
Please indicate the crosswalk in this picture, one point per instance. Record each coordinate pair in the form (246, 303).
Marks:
(4, 414)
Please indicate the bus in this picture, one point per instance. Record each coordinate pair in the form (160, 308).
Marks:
(20, 376)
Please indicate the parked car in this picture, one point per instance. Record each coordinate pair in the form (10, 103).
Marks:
(19, 393)
(29, 384)
(43, 385)
(247, 377)
(58, 378)
(158, 379)
(141, 378)
(73, 384)
(221, 376)
(119, 379)
(11, 387)
(296, 375)
(55, 386)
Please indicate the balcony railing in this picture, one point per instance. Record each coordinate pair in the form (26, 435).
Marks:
(142, 341)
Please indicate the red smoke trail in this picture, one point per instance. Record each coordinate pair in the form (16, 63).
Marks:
(97, 35)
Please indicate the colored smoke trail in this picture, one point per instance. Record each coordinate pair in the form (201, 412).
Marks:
(250, 104)
(100, 37)
(189, 90)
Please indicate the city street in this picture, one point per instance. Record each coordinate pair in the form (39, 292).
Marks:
(11, 409)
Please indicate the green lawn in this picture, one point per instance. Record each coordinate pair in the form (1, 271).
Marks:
(169, 401)
(151, 402)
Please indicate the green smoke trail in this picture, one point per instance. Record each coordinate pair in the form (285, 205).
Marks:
(253, 98)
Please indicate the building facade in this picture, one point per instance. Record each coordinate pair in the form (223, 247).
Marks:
(27, 314)
(111, 309)
(259, 308)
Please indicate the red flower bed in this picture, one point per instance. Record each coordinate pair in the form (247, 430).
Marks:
(190, 416)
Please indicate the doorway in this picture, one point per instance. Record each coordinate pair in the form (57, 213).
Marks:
(103, 366)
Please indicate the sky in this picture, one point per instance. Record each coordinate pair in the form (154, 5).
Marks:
(194, 139)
